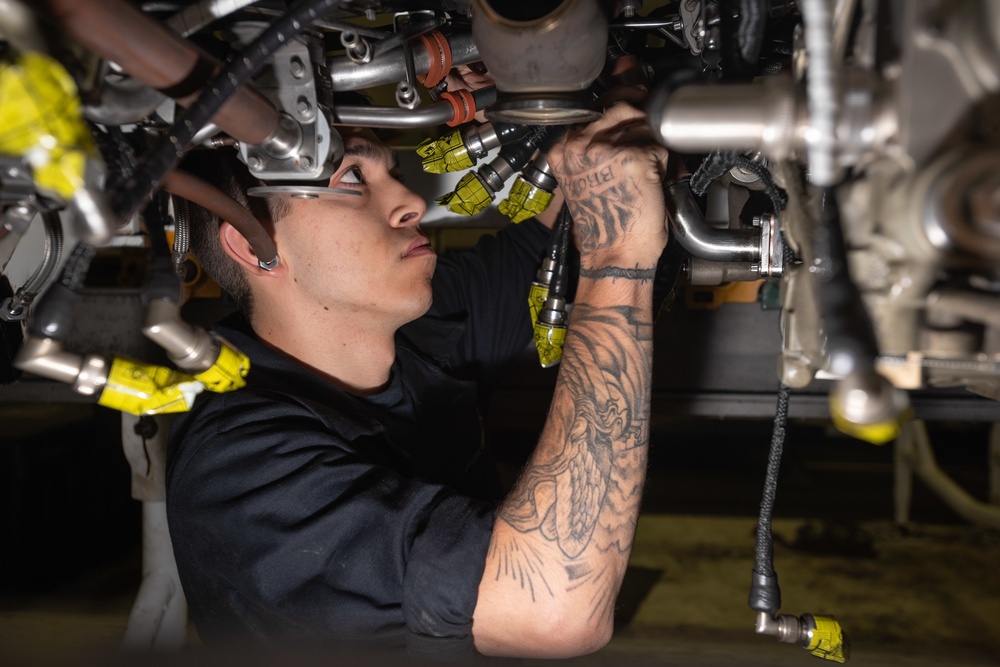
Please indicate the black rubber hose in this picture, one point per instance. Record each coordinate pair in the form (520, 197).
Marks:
(507, 132)
(850, 336)
(753, 23)
(55, 311)
(237, 72)
(560, 277)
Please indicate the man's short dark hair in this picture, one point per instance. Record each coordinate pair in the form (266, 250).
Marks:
(223, 169)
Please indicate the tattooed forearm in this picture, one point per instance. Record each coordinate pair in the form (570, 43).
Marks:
(592, 486)
(614, 272)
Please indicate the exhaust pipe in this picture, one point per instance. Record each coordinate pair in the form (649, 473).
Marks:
(543, 57)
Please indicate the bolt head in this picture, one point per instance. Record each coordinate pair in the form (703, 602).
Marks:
(255, 163)
(306, 163)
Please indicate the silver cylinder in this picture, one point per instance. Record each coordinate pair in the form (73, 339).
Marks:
(46, 358)
(193, 349)
(700, 118)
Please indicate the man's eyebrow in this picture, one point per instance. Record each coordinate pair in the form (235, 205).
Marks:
(375, 153)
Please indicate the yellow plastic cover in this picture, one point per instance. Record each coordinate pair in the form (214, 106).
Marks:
(828, 640)
(40, 122)
(536, 300)
(524, 201)
(469, 198)
(228, 372)
(549, 340)
(146, 389)
(446, 154)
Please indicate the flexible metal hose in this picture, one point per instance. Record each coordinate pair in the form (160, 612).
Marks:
(208, 196)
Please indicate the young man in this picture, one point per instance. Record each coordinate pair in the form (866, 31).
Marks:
(344, 495)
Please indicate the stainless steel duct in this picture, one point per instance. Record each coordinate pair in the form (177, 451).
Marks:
(701, 239)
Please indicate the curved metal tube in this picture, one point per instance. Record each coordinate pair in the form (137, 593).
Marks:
(46, 358)
(701, 239)
(428, 115)
(159, 57)
(918, 452)
(207, 196)
(972, 306)
(390, 68)
(193, 349)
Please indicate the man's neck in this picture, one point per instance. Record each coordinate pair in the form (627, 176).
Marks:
(355, 357)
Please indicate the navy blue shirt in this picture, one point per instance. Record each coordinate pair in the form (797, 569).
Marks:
(301, 512)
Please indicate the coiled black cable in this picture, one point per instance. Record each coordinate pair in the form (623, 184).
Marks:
(137, 190)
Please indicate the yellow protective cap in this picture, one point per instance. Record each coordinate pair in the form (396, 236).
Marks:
(228, 372)
(146, 389)
(524, 201)
(448, 153)
(470, 197)
(536, 300)
(828, 640)
(40, 121)
(877, 433)
(549, 340)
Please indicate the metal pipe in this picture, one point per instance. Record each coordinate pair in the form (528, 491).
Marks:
(195, 17)
(428, 115)
(701, 239)
(157, 56)
(207, 196)
(971, 306)
(389, 68)
(192, 348)
(918, 450)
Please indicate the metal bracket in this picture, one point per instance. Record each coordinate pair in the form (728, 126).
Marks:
(288, 82)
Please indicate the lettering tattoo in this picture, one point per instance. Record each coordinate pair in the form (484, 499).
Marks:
(615, 272)
(587, 495)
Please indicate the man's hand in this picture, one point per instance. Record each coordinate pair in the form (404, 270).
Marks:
(611, 173)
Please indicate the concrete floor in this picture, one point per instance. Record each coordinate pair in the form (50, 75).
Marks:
(929, 595)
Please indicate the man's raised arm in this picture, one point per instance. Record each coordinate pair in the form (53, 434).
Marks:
(562, 537)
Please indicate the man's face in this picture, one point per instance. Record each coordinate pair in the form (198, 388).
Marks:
(360, 256)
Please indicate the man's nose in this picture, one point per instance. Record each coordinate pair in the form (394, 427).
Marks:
(409, 210)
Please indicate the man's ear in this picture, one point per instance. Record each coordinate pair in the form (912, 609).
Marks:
(236, 246)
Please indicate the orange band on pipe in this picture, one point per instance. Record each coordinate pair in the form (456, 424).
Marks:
(463, 104)
(439, 51)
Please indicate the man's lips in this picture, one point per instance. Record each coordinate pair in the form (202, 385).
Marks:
(418, 247)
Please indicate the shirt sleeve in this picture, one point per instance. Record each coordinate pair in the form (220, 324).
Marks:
(284, 530)
(489, 285)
